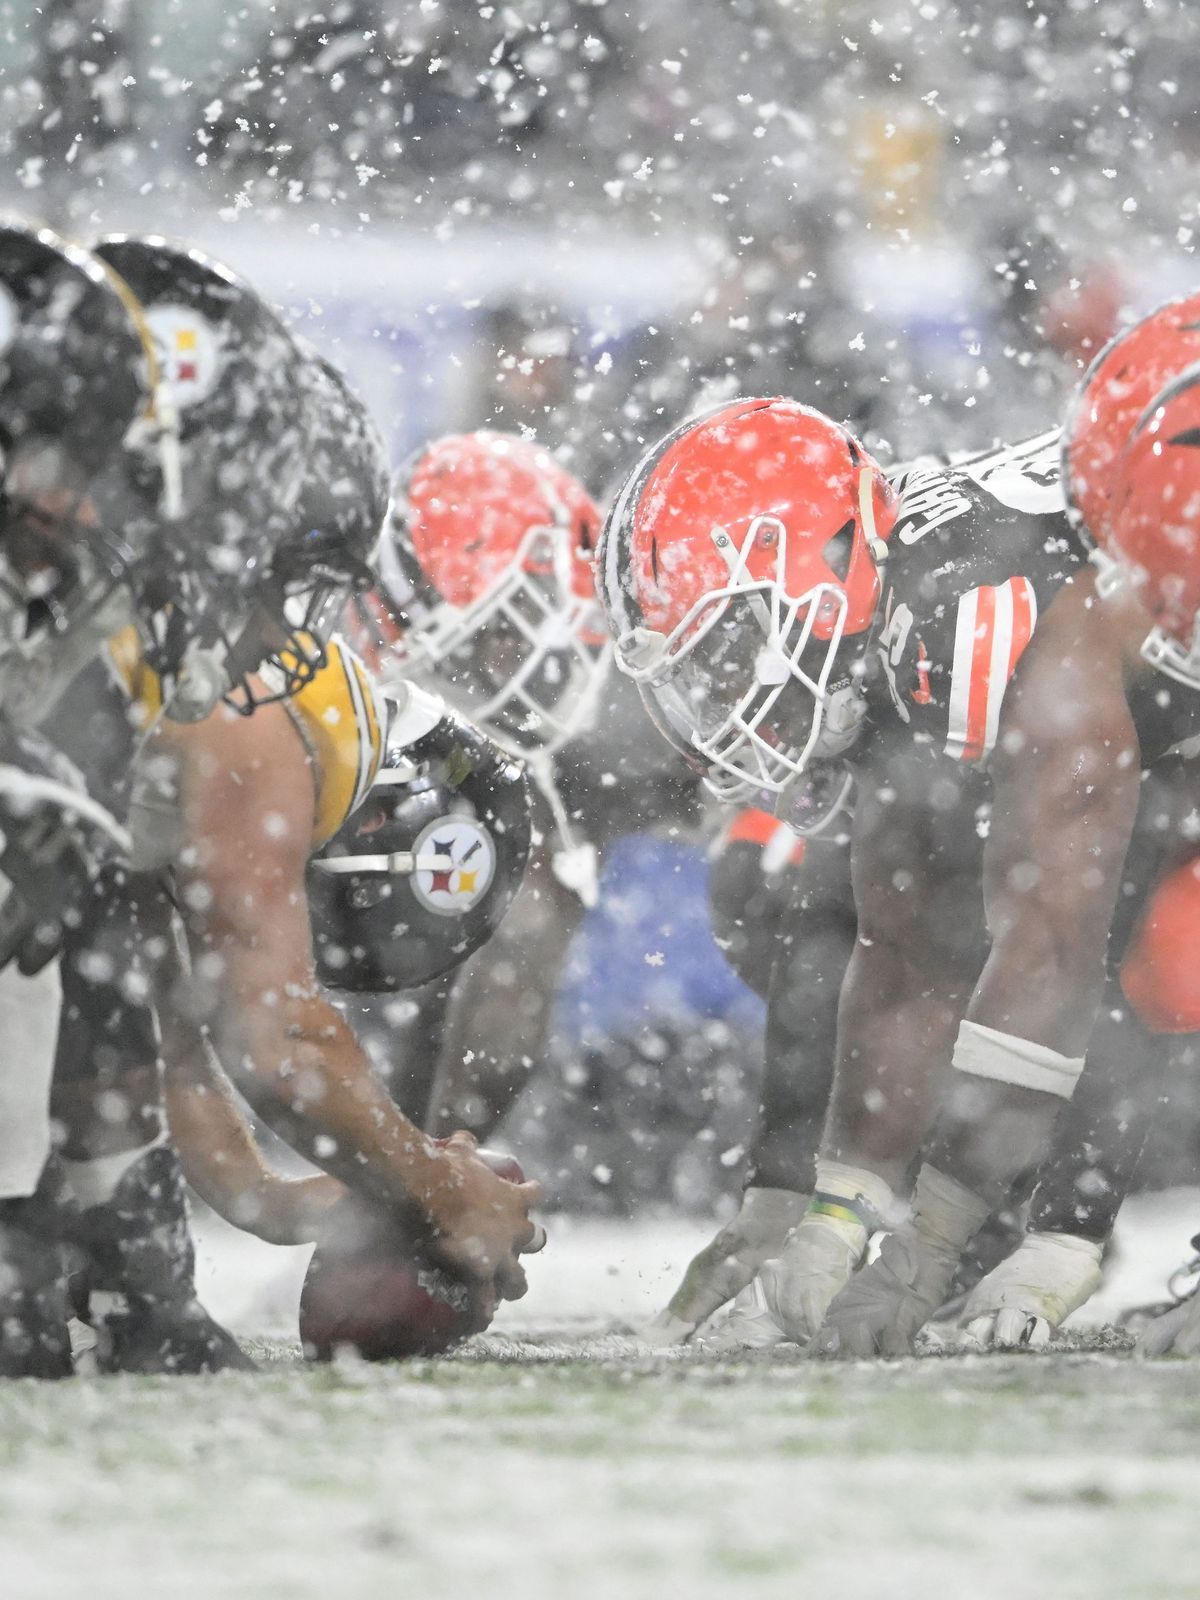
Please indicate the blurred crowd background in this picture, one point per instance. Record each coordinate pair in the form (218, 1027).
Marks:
(596, 212)
(587, 217)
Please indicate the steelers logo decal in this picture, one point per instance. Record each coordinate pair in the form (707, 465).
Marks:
(9, 317)
(454, 866)
(186, 351)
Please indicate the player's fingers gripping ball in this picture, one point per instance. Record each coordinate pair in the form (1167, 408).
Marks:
(372, 1288)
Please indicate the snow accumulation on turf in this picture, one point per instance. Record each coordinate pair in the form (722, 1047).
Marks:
(559, 1458)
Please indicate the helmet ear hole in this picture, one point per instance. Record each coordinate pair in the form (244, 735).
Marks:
(839, 549)
(372, 822)
(422, 874)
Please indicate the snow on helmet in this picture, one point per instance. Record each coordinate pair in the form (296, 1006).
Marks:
(487, 585)
(280, 484)
(209, 518)
(1150, 532)
(422, 873)
(1116, 389)
(226, 366)
(739, 560)
(73, 360)
(335, 527)
(76, 377)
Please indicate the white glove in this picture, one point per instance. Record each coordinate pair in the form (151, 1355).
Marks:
(1025, 1300)
(883, 1307)
(791, 1294)
(1175, 1333)
(722, 1268)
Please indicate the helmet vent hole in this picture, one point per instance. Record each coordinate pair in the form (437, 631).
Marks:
(837, 552)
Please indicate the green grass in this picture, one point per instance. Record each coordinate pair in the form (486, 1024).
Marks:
(593, 1470)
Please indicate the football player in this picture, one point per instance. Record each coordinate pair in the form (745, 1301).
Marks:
(781, 603)
(421, 875)
(1110, 685)
(77, 379)
(487, 593)
(228, 807)
(779, 898)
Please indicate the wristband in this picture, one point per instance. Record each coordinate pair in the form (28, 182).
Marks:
(1002, 1057)
(849, 1195)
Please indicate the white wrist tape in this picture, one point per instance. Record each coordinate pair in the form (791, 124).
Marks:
(987, 1053)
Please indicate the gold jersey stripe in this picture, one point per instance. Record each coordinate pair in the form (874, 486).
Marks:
(343, 726)
(370, 728)
(139, 683)
(337, 716)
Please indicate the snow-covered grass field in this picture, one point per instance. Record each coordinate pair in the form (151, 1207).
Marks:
(556, 1458)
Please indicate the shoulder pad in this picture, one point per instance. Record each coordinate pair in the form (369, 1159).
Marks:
(1025, 476)
(414, 712)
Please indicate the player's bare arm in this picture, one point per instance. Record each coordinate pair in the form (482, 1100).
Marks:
(242, 885)
(1067, 778)
(221, 1158)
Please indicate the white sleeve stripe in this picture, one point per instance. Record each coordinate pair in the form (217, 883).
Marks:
(1002, 641)
(777, 852)
(960, 675)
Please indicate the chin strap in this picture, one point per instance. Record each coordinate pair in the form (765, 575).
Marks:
(866, 510)
(574, 861)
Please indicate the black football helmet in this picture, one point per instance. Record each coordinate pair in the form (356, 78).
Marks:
(340, 511)
(281, 485)
(209, 521)
(76, 374)
(423, 872)
(73, 360)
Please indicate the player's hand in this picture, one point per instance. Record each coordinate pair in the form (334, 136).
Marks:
(728, 1263)
(1175, 1333)
(791, 1294)
(480, 1221)
(1023, 1302)
(883, 1307)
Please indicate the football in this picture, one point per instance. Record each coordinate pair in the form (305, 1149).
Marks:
(372, 1289)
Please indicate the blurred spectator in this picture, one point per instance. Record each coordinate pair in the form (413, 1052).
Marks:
(1080, 316)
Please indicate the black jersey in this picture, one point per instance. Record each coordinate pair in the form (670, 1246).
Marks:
(979, 549)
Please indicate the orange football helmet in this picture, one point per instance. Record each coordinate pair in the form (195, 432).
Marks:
(486, 584)
(1150, 533)
(740, 569)
(1115, 391)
